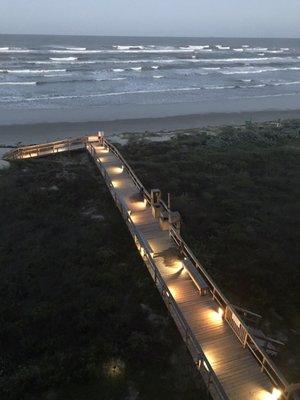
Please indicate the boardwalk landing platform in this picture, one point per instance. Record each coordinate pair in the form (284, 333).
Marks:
(230, 361)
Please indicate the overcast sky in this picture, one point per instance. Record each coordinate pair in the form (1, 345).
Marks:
(256, 18)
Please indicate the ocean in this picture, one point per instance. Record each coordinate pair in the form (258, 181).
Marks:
(77, 78)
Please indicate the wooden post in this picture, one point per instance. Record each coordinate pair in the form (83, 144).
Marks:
(245, 340)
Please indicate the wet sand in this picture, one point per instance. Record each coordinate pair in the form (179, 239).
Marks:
(43, 132)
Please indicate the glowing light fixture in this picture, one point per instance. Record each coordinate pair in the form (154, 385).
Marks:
(276, 393)
(205, 366)
(215, 316)
(115, 184)
(220, 312)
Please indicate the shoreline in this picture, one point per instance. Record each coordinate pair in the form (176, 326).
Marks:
(48, 131)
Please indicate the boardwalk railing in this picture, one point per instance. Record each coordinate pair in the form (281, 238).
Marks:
(38, 150)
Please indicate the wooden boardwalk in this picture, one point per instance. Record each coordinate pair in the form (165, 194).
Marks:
(236, 369)
(228, 358)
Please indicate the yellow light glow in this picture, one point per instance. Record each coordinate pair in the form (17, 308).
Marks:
(116, 170)
(115, 184)
(220, 312)
(140, 205)
(215, 316)
(177, 264)
(276, 393)
(134, 218)
(205, 366)
(174, 292)
(145, 202)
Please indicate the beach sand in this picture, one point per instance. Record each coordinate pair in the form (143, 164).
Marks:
(43, 132)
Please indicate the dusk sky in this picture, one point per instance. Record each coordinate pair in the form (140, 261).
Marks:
(255, 18)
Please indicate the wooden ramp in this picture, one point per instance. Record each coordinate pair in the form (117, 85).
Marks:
(235, 367)
(232, 364)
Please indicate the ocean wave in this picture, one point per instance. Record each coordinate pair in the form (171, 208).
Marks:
(238, 50)
(31, 71)
(264, 96)
(259, 71)
(15, 50)
(216, 87)
(132, 47)
(212, 68)
(154, 67)
(158, 76)
(136, 68)
(63, 59)
(285, 83)
(118, 69)
(257, 49)
(76, 48)
(113, 94)
(221, 47)
(192, 47)
(17, 83)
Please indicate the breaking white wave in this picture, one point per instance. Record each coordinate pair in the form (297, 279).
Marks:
(211, 68)
(258, 71)
(132, 47)
(31, 71)
(286, 83)
(221, 47)
(216, 87)
(238, 50)
(136, 68)
(17, 83)
(76, 48)
(191, 47)
(63, 59)
(154, 67)
(259, 49)
(263, 96)
(157, 76)
(118, 70)
(14, 50)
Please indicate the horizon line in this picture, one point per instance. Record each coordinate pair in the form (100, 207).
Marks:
(152, 36)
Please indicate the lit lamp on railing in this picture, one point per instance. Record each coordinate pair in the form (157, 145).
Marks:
(276, 394)
(220, 312)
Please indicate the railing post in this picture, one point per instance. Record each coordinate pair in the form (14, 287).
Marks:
(245, 340)
(263, 364)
